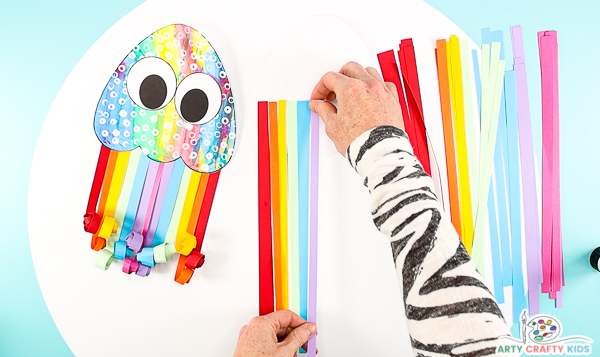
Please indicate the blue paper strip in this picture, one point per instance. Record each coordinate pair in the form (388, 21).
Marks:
(303, 185)
(507, 275)
(169, 203)
(511, 155)
(495, 245)
(519, 302)
(499, 172)
(134, 198)
(476, 70)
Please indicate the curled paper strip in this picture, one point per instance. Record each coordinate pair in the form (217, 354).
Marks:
(168, 105)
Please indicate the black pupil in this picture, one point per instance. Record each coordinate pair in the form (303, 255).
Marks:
(153, 91)
(194, 105)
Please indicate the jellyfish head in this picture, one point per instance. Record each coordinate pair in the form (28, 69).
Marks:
(171, 97)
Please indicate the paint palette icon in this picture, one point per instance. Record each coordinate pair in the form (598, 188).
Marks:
(545, 329)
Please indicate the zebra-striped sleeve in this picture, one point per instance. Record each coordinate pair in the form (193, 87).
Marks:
(449, 310)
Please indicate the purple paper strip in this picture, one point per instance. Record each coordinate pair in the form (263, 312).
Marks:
(314, 228)
(530, 202)
(160, 198)
(138, 224)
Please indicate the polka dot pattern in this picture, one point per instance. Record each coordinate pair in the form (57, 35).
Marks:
(163, 134)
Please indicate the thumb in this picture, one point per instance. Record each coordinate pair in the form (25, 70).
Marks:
(324, 109)
(298, 337)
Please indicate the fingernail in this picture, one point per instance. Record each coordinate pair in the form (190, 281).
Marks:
(312, 329)
(312, 105)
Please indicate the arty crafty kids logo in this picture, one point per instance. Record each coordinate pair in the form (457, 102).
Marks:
(541, 335)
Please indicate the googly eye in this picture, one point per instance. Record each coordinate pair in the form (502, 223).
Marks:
(198, 98)
(151, 83)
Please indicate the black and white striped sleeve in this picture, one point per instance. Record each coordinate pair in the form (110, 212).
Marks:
(449, 310)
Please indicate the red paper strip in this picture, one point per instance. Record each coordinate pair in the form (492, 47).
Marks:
(408, 67)
(265, 246)
(389, 70)
(91, 222)
(188, 264)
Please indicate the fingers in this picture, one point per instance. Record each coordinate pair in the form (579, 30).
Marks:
(285, 318)
(392, 87)
(325, 110)
(242, 330)
(298, 337)
(355, 70)
(330, 82)
(373, 72)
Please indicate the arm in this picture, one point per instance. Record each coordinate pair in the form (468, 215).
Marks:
(449, 310)
(448, 307)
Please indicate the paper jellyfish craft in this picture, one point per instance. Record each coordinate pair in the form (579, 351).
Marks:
(166, 122)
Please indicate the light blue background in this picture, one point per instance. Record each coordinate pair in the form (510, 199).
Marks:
(41, 42)
(577, 24)
(36, 59)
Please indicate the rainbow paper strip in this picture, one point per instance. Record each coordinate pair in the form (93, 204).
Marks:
(292, 158)
(493, 183)
(155, 200)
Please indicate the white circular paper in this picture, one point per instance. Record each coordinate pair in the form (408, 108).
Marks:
(105, 313)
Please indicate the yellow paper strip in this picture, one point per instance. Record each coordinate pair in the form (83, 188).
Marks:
(466, 213)
(183, 237)
(283, 201)
(116, 183)
(470, 124)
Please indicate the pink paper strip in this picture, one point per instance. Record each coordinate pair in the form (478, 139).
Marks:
(551, 230)
(153, 194)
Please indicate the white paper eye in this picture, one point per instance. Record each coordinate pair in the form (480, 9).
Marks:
(151, 83)
(198, 98)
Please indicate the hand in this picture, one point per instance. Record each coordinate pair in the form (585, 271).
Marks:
(365, 101)
(278, 334)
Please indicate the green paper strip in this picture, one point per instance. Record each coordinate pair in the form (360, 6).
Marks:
(104, 259)
(292, 167)
(485, 105)
(121, 208)
(176, 217)
(489, 120)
